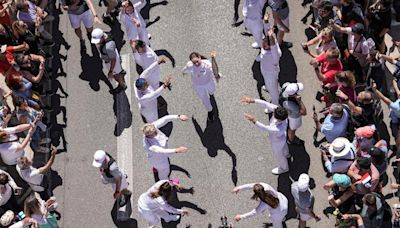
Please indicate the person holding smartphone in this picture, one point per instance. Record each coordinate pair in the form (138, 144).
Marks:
(8, 190)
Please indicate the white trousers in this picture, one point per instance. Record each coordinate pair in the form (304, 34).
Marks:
(272, 85)
(153, 217)
(278, 215)
(163, 172)
(281, 152)
(256, 28)
(204, 92)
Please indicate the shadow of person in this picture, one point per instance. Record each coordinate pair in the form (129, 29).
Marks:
(299, 164)
(163, 111)
(92, 69)
(145, 12)
(288, 67)
(213, 139)
(122, 112)
(130, 222)
(257, 75)
(166, 54)
(117, 34)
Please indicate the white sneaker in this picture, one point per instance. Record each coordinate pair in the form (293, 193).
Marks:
(255, 45)
(173, 218)
(149, 36)
(278, 171)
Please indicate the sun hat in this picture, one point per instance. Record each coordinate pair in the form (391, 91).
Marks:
(340, 147)
(99, 158)
(342, 180)
(97, 34)
(303, 182)
(290, 89)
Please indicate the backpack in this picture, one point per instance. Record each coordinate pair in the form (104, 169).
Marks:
(107, 170)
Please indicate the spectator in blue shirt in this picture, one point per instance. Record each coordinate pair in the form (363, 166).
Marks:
(335, 123)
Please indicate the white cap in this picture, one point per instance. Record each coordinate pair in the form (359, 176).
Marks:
(97, 34)
(99, 158)
(303, 182)
(289, 89)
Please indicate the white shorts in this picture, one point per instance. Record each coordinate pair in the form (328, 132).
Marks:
(285, 22)
(295, 123)
(305, 217)
(124, 183)
(86, 18)
(117, 67)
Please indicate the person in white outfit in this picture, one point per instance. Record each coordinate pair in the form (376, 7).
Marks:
(135, 26)
(153, 204)
(269, 62)
(276, 131)
(253, 14)
(203, 81)
(144, 57)
(270, 199)
(146, 94)
(155, 145)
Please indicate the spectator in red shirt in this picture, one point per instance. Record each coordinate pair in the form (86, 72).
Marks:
(7, 57)
(330, 65)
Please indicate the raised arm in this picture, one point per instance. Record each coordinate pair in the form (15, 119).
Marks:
(269, 106)
(149, 70)
(164, 120)
(380, 95)
(260, 208)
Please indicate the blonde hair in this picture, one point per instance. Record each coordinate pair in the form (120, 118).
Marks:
(18, 29)
(149, 129)
(3, 134)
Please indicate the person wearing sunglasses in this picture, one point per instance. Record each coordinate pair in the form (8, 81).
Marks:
(155, 144)
(335, 123)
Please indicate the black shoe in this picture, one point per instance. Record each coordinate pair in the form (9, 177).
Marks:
(235, 20)
(275, 28)
(210, 116)
(123, 72)
(83, 45)
(304, 20)
(108, 20)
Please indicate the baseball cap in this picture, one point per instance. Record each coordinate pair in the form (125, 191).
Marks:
(3, 48)
(342, 180)
(97, 34)
(358, 28)
(99, 158)
(290, 89)
(303, 182)
(140, 82)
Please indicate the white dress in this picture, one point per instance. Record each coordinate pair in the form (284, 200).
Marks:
(133, 32)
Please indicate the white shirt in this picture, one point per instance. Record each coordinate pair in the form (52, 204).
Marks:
(8, 151)
(269, 59)
(283, 203)
(131, 29)
(252, 9)
(146, 59)
(32, 177)
(147, 203)
(360, 47)
(276, 129)
(6, 195)
(148, 98)
(156, 148)
(201, 75)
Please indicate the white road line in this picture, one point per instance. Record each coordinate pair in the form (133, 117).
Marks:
(124, 141)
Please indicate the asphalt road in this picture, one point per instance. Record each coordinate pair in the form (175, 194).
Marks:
(230, 149)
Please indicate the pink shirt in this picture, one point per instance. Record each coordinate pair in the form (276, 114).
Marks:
(373, 172)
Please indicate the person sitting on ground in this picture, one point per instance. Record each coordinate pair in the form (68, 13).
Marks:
(36, 178)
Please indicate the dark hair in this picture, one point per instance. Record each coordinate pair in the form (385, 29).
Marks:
(264, 196)
(377, 155)
(196, 54)
(139, 43)
(370, 199)
(326, 5)
(18, 101)
(364, 163)
(19, 58)
(165, 191)
(386, 3)
(280, 113)
(4, 178)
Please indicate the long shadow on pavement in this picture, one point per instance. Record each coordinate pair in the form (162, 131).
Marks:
(288, 67)
(213, 139)
(122, 112)
(145, 12)
(129, 223)
(299, 164)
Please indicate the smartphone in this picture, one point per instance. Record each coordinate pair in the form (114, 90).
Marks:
(319, 96)
(305, 47)
(21, 215)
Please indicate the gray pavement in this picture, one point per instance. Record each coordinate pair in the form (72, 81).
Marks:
(184, 26)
